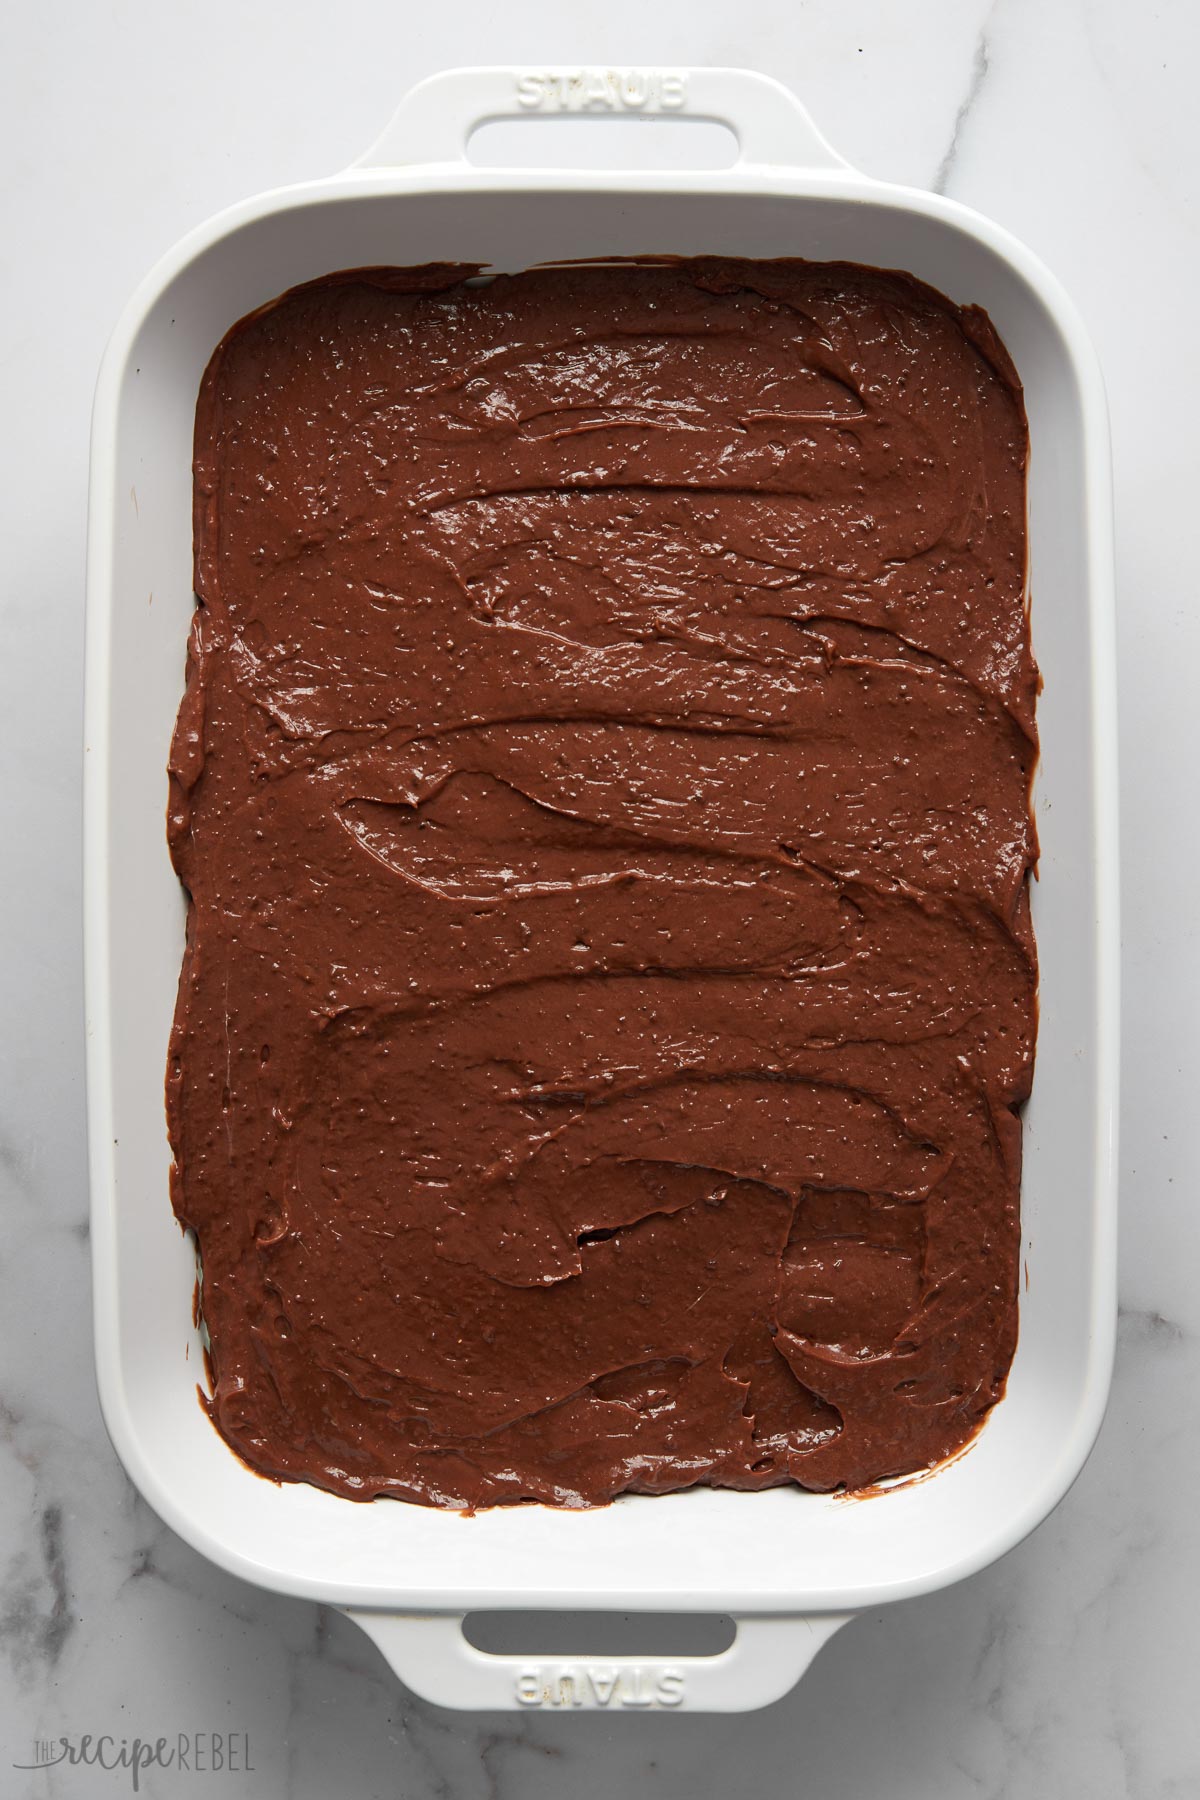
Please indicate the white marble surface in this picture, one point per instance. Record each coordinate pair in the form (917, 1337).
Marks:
(1064, 1670)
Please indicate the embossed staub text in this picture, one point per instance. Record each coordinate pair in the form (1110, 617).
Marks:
(601, 90)
(640, 1686)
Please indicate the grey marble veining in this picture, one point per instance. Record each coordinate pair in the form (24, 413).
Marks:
(1064, 1670)
(980, 64)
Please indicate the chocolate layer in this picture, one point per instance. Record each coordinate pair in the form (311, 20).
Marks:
(603, 791)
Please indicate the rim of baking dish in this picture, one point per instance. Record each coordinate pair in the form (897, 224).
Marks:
(838, 184)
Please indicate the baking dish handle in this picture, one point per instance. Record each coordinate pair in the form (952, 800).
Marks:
(435, 119)
(430, 1654)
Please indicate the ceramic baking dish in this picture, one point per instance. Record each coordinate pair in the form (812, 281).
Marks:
(788, 1566)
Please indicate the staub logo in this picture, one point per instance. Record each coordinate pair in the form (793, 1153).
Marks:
(601, 90)
(640, 1686)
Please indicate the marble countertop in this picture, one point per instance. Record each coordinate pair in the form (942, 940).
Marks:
(1063, 1669)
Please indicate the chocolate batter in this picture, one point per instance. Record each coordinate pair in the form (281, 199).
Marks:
(603, 792)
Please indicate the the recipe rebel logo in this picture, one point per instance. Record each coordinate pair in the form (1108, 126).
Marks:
(191, 1752)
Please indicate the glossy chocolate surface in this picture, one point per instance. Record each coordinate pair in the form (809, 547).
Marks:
(603, 791)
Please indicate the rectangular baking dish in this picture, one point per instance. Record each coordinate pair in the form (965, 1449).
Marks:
(789, 1566)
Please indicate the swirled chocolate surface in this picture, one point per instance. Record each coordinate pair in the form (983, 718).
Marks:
(602, 789)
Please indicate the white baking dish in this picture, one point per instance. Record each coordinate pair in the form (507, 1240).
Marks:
(789, 1566)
